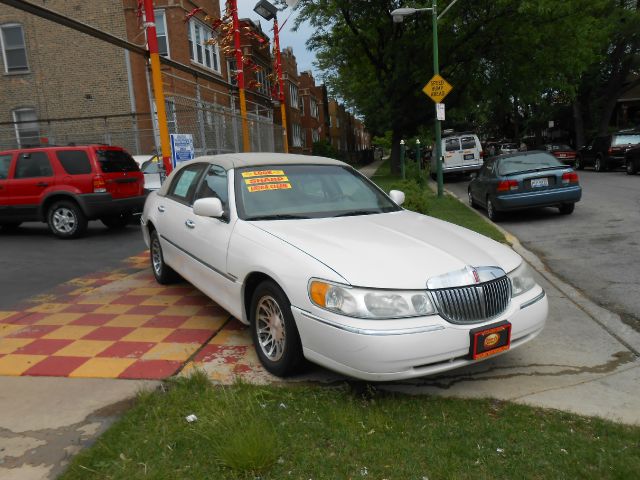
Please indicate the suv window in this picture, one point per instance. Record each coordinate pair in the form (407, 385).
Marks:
(451, 144)
(112, 161)
(74, 162)
(184, 185)
(215, 185)
(468, 142)
(626, 139)
(5, 163)
(35, 164)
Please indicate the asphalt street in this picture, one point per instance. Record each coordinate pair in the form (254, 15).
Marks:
(596, 249)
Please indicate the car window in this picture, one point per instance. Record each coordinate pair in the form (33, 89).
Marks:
(626, 139)
(5, 163)
(184, 185)
(112, 161)
(214, 184)
(150, 166)
(559, 147)
(451, 144)
(468, 142)
(524, 163)
(307, 191)
(74, 162)
(32, 165)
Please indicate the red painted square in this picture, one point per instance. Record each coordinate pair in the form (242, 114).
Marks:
(166, 321)
(93, 319)
(24, 318)
(187, 335)
(56, 366)
(151, 369)
(130, 300)
(178, 290)
(34, 331)
(80, 308)
(108, 333)
(211, 310)
(146, 310)
(43, 346)
(127, 350)
(209, 352)
(193, 300)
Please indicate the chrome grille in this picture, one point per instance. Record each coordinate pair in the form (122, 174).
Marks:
(473, 303)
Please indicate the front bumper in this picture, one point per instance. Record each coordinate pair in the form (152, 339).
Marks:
(542, 198)
(387, 350)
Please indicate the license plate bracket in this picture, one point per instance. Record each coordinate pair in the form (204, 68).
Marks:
(469, 156)
(489, 340)
(539, 182)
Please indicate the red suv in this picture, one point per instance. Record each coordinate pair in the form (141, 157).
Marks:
(68, 186)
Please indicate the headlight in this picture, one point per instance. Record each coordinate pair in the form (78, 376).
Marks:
(521, 280)
(370, 303)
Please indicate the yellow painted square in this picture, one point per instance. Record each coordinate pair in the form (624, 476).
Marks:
(135, 321)
(184, 310)
(59, 318)
(84, 348)
(71, 332)
(205, 323)
(114, 309)
(6, 314)
(102, 367)
(148, 335)
(98, 299)
(48, 308)
(10, 345)
(161, 300)
(6, 329)
(171, 351)
(147, 291)
(232, 337)
(18, 364)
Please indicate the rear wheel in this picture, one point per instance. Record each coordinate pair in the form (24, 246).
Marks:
(66, 220)
(117, 221)
(631, 167)
(164, 274)
(600, 165)
(492, 213)
(567, 208)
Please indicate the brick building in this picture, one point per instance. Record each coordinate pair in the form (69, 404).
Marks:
(314, 111)
(292, 101)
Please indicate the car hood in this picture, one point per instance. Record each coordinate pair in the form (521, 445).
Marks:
(391, 250)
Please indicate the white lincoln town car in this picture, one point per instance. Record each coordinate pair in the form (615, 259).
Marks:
(323, 265)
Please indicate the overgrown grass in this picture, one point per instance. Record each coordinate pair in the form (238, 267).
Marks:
(420, 198)
(304, 432)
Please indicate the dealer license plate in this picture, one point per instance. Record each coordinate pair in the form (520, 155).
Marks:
(487, 341)
(468, 156)
(539, 182)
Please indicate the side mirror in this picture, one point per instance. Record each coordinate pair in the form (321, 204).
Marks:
(397, 196)
(208, 207)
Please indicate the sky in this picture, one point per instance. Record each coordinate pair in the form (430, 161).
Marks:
(288, 38)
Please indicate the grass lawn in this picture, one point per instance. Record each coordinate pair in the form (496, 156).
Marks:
(350, 432)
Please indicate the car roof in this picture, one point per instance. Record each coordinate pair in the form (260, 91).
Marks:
(62, 147)
(239, 160)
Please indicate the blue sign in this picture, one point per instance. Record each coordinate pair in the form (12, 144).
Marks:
(181, 148)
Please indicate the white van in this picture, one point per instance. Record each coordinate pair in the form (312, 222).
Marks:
(462, 153)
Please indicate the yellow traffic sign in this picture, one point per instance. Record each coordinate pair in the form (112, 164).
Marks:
(437, 88)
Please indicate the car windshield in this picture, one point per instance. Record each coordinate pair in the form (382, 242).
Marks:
(560, 148)
(112, 161)
(525, 163)
(626, 139)
(277, 192)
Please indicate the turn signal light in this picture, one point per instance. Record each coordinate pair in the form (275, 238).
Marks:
(319, 293)
(99, 185)
(506, 185)
(570, 177)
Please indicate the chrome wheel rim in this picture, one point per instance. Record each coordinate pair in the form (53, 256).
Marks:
(470, 198)
(270, 328)
(489, 209)
(64, 220)
(156, 256)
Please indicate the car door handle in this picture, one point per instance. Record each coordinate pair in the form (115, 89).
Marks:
(42, 184)
(190, 224)
(161, 208)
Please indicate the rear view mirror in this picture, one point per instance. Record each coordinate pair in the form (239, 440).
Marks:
(397, 196)
(208, 207)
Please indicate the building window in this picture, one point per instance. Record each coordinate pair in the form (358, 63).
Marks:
(201, 50)
(231, 72)
(315, 112)
(27, 128)
(264, 84)
(297, 135)
(330, 121)
(161, 33)
(301, 107)
(14, 51)
(315, 135)
(293, 95)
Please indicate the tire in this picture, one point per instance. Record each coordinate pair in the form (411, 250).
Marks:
(578, 165)
(567, 208)
(492, 213)
(117, 222)
(164, 274)
(472, 202)
(274, 332)
(600, 165)
(66, 220)
(631, 168)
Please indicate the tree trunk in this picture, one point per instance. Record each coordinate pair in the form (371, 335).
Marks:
(396, 136)
(578, 123)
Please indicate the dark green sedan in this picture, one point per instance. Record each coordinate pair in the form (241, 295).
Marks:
(524, 180)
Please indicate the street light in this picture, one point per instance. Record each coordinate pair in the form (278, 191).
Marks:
(398, 17)
(269, 12)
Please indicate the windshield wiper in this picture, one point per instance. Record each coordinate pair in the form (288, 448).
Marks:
(278, 216)
(352, 213)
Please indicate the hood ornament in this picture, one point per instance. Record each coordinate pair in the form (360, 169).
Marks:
(467, 276)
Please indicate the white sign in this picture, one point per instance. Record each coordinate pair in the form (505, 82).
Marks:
(440, 111)
(551, 124)
(181, 148)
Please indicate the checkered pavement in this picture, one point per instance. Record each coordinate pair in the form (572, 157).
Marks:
(122, 324)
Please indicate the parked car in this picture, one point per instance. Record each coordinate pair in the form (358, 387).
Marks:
(562, 152)
(462, 153)
(632, 160)
(325, 266)
(505, 148)
(152, 169)
(524, 180)
(607, 152)
(68, 186)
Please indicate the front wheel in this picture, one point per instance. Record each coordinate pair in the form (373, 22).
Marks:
(631, 168)
(472, 202)
(492, 213)
(274, 330)
(66, 220)
(600, 165)
(567, 208)
(164, 274)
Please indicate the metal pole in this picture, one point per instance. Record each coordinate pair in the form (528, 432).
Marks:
(402, 147)
(281, 98)
(436, 71)
(156, 76)
(246, 146)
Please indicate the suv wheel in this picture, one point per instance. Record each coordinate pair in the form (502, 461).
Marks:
(117, 221)
(600, 165)
(472, 202)
(66, 220)
(578, 165)
(631, 167)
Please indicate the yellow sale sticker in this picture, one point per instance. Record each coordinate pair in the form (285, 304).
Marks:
(255, 181)
(262, 173)
(268, 186)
